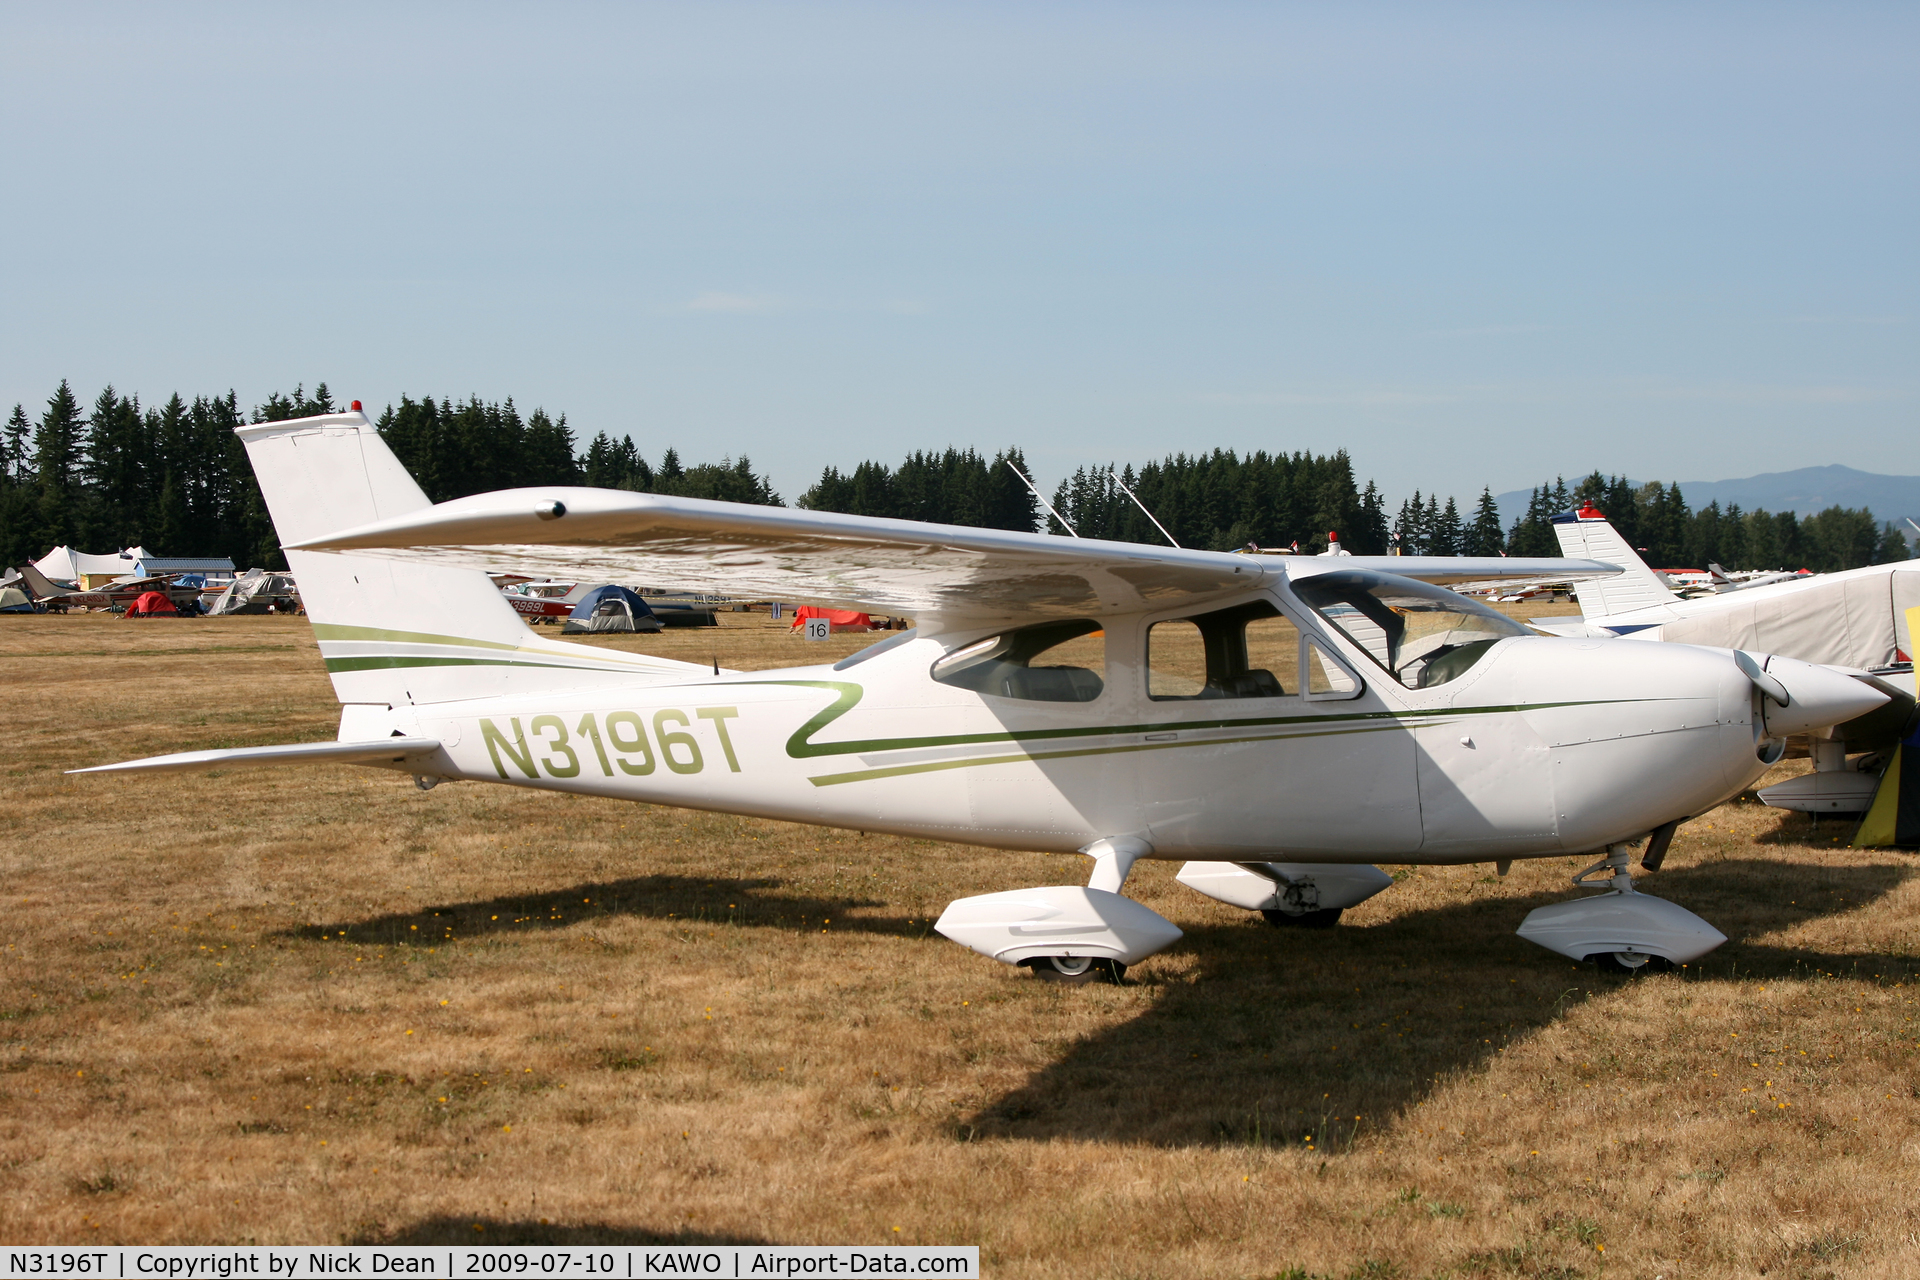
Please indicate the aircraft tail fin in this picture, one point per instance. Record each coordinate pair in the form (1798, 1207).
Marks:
(1589, 535)
(395, 632)
(41, 585)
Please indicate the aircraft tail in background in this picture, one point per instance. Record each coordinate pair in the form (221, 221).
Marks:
(1587, 534)
(398, 633)
(43, 587)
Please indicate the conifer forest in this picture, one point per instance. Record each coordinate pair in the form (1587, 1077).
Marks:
(113, 472)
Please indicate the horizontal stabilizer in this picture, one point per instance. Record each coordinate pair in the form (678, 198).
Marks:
(389, 752)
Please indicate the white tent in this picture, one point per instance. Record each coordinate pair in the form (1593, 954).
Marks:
(64, 564)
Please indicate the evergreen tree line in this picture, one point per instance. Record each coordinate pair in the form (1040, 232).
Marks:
(954, 487)
(611, 464)
(1222, 502)
(175, 479)
(1425, 528)
(1655, 520)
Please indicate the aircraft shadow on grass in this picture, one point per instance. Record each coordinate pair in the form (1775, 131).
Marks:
(1284, 1036)
(454, 1229)
(694, 900)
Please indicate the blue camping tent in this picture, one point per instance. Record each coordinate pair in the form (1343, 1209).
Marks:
(610, 609)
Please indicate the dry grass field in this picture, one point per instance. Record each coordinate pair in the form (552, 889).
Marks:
(320, 1005)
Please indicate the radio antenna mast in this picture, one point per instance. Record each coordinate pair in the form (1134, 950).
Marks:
(1043, 502)
(1143, 507)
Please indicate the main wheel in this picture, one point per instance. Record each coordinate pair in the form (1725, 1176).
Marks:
(1323, 919)
(1075, 970)
(1630, 962)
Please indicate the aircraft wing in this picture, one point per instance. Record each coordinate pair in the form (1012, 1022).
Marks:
(389, 752)
(1463, 572)
(777, 553)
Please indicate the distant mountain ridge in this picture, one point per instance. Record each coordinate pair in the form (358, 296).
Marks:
(1804, 492)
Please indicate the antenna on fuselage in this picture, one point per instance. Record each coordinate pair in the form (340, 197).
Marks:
(1143, 507)
(1043, 502)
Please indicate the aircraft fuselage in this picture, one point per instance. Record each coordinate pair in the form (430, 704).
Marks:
(1545, 746)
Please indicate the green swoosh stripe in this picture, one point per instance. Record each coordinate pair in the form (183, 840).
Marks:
(338, 631)
(847, 696)
(385, 663)
(864, 775)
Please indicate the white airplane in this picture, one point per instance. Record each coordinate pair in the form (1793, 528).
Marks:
(1722, 582)
(1275, 723)
(1855, 620)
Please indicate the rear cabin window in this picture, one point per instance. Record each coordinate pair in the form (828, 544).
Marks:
(1249, 651)
(1052, 662)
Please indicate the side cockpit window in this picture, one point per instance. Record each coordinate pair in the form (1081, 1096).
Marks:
(1051, 662)
(1249, 651)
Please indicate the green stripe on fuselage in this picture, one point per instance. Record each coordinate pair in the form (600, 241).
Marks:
(847, 696)
(381, 663)
(863, 775)
(338, 631)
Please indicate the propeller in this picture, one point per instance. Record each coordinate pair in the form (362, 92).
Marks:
(1765, 683)
(1806, 696)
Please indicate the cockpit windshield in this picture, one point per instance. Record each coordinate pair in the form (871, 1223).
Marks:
(1423, 635)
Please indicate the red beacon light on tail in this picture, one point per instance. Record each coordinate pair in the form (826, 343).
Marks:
(1589, 512)
(355, 406)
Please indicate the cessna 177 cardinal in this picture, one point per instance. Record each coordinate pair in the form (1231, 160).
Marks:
(1276, 723)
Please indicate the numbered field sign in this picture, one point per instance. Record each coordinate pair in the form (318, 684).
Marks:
(819, 628)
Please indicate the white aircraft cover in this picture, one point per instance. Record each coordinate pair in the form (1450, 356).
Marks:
(1851, 619)
(885, 566)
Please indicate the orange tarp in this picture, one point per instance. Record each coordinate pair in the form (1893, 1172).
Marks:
(842, 619)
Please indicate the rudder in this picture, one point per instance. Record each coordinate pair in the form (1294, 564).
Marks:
(1588, 535)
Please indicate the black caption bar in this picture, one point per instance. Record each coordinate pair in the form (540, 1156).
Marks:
(625, 1262)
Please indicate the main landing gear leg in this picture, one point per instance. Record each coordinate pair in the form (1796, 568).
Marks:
(1112, 860)
(1619, 858)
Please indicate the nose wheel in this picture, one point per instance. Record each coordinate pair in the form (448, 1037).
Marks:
(1075, 971)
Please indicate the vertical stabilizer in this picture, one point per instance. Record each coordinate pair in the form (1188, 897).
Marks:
(1587, 535)
(393, 632)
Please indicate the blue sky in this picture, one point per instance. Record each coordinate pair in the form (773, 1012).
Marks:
(1474, 244)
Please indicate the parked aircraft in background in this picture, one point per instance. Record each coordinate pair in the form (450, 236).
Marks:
(1854, 620)
(1276, 723)
(255, 591)
(1723, 582)
(551, 602)
(118, 593)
